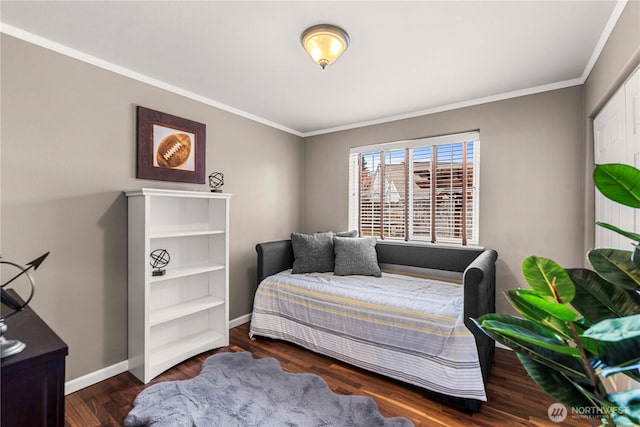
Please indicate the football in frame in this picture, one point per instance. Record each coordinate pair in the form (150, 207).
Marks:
(170, 148)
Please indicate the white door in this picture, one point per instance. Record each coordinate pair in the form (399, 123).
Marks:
(616, 132)
(632, 123)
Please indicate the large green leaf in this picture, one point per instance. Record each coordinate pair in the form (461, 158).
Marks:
(596, 299)
(554, 383)
(538, 315)
(557, 310)
(628, 402)
(618, 182)
(628, 234)
(548, 278)
(616, 267)
(564, 363)
(530, 336)
(615, 341)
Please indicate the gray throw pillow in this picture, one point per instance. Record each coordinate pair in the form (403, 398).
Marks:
(312, 253)
(356, 255)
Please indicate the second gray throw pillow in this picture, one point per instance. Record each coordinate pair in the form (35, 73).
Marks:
(356, 256)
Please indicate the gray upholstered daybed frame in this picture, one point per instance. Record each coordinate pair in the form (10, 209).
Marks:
(477, 266)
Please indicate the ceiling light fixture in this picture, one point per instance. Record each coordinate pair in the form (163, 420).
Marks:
(325, 43)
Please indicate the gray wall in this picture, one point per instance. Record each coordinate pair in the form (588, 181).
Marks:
(531, 176)
(68, 152)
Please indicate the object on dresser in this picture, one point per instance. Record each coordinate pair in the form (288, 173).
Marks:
(11, 347)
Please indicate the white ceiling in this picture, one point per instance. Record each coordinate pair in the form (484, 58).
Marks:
(405, 58)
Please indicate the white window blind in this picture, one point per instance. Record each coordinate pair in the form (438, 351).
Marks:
(419, 190)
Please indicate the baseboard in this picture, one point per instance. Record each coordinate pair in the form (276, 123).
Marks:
(95, 377)
(239, 320)
(92, 378)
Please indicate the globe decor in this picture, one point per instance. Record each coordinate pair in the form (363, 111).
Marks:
(160, 258)
(216, 181)
(11, 347)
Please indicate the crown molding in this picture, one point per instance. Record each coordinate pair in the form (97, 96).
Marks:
(92, 60)
(454, 106)
(81, 56)
(604, 37)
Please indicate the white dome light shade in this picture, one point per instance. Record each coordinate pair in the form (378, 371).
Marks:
(325, 43)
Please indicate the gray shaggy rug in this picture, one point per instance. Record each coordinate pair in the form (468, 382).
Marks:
(234, 389)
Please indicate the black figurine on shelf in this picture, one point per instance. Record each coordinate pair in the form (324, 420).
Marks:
(11, 347)
(216, 181)
(160, 258)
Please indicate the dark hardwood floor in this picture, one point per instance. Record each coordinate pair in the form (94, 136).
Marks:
(513, 398)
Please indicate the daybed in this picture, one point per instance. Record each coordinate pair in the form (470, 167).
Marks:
(388, 334)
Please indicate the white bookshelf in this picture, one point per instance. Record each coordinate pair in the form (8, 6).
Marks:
(185, 311)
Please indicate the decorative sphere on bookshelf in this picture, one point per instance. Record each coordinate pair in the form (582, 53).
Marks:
(160, 258)
(216, 181)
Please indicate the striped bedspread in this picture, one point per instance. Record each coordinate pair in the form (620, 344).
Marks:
(406, 328)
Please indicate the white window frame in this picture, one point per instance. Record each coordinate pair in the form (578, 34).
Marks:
(409, 236)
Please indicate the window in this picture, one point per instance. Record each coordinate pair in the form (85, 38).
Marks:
(423, 190)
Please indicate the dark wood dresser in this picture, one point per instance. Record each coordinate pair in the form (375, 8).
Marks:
(32, 382)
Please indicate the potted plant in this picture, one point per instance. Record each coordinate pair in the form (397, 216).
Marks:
(578, 326)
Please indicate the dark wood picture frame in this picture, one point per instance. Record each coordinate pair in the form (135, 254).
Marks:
(170, 148)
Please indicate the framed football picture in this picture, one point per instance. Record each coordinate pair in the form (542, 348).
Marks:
(170, 148)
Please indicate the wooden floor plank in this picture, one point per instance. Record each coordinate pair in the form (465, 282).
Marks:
(513, 398)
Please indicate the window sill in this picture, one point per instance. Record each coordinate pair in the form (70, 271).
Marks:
(425, 243)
